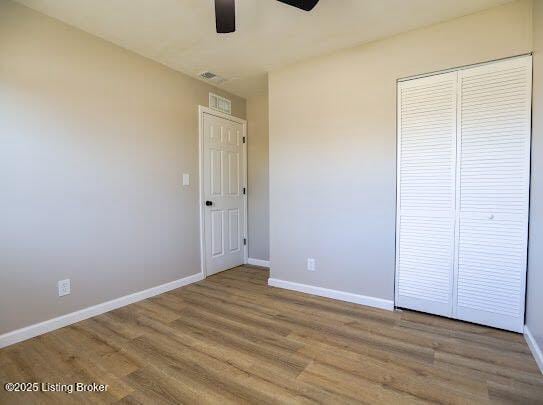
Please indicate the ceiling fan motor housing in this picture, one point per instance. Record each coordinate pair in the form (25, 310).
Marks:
(225, 12)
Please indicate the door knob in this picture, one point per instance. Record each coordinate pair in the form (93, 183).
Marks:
(209, 203)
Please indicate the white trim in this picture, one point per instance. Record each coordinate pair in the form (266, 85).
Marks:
(334, 294)
(47, 326)
(534, 347)
(220, 114)
(206, 110)
(462, 67)
(258, 262)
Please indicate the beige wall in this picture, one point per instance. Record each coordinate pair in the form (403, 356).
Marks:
(93, 143)
(534, 305)
(258, 221)
(333, 146)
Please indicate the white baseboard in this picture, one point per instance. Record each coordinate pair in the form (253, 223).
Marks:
(534, 347)
(47, 326)
(258, 262)
(334, 294)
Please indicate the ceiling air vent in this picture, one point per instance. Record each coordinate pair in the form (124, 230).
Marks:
(220, 103)
(212, 77)
(208, 75)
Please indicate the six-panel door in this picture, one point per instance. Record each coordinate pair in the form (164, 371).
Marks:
(223, 191)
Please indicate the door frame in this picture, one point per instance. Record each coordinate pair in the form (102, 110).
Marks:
(206, 110)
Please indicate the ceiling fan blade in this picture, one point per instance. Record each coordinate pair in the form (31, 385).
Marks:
(306, 5)
(225, 16)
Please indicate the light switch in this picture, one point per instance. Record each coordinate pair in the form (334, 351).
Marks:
(64, 287)
(186, 179)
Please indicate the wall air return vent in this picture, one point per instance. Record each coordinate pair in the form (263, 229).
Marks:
(220, 103)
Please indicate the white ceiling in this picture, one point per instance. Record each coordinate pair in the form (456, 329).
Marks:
(181, 33)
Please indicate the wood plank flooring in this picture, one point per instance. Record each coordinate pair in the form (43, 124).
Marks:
(233, 339)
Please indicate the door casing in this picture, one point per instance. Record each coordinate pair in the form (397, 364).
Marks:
(202, 110)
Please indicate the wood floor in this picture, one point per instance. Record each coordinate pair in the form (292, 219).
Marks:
(233, 339)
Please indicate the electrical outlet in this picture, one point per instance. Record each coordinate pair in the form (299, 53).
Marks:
(310, 264)
(186, 179)
(64, 287)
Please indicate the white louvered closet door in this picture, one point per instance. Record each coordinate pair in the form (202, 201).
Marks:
(426, 193)
(463, 193)
(493, 172)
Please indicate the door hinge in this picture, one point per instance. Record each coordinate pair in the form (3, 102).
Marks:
(244, 241)
(244, 190)
(243, 139)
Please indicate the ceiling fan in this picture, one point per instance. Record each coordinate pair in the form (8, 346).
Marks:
(225, 12)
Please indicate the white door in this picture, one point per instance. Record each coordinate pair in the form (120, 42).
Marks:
(463, 193)
(494, 179)
(224, 193)
(426, 193)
